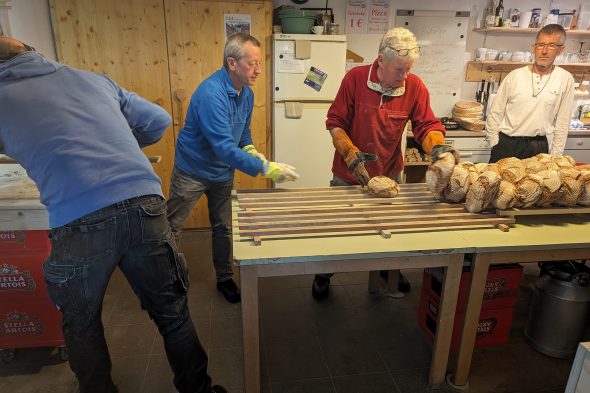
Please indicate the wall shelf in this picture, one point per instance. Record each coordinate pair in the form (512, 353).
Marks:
(518, 30)
(488, 69)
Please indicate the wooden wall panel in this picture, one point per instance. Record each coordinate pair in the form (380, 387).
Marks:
(126, 40)
(195, 31)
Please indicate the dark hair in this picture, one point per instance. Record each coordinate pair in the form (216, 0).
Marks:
(234, 47)
(10, 47)
(552, 29)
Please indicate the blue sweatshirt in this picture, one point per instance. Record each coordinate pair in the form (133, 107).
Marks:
(78, 135)
(217, 126)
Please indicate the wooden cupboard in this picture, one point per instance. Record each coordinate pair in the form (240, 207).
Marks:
(162, 49)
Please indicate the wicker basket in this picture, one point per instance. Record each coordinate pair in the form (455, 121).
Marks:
(468, 109)
(471, 124)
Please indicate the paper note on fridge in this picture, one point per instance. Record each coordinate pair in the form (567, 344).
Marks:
(315, 78)
(289, 65)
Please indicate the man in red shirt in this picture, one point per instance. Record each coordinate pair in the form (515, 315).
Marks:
(368, 117)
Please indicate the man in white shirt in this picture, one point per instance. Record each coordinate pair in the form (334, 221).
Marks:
(533, 102)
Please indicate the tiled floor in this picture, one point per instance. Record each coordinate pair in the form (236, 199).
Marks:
(354, 342)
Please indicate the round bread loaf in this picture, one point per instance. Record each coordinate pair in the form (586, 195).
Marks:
(383, 186)
(439, 173)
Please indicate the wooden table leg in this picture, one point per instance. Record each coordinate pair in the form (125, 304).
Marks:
(479, 274)
(250, 328)
(444, 330)
(374, 281)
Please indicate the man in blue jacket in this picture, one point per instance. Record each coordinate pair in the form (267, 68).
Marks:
(78, 135)
(215, 140)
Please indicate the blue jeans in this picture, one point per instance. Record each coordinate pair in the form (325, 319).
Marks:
(185, 192)
(133, 235)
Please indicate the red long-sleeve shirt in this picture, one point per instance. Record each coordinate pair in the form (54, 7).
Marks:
(375, 121)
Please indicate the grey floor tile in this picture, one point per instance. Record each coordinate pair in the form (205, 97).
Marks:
(226, 332)
(129, 372)
(348, 354)
(287, 326)
(158, 377)
(320, 385)
(130, 340)
(416, 381)
(226, 366)
(365, 383)
(295, 360)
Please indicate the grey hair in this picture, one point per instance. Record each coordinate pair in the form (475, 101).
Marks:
(398, 38)
(552, 29)
(234, 47)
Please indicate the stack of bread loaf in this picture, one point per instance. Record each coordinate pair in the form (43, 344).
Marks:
(468, 114)
(542, 181)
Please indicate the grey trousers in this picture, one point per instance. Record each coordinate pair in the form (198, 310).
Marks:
(185, 192)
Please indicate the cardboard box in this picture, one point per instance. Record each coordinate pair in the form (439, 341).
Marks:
(493, 328)
(32, 323)
(21, 275)
(24, 240)
(501, 288)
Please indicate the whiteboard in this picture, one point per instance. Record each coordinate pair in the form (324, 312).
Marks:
(442, 36)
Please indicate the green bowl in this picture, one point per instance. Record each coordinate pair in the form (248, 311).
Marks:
(297, 24)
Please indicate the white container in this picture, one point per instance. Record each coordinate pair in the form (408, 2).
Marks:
(491, 54)
(525, 19)
(480, 53)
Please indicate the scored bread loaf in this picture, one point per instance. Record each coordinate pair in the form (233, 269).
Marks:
(507, 196)
(584, 179)
(459, 182)
(439, 173)
(383, 186)
(482, 191)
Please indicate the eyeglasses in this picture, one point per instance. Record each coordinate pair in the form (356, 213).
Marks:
(405, 52)
(548, 46)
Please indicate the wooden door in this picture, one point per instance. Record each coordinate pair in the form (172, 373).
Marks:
(126, 40)
(196, 37)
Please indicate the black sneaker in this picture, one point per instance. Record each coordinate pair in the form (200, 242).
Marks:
(229, 290)
(320, 289)
(218, 389)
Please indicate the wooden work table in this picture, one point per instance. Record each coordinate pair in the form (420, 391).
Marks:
(529, 240)
(308, 231)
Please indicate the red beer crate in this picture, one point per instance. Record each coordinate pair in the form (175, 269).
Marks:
(21, 275)
(31, 323)
(24, 240)
(493, 328)
(501, 288)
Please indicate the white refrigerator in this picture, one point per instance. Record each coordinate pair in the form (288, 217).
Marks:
(307, 71)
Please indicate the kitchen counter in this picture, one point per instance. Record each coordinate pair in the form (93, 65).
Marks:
(466, 133)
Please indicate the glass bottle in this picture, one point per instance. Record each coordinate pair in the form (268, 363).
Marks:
(499, 17)
(490, 18)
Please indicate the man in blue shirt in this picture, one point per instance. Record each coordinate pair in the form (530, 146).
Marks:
(215, 140)
(78, 134)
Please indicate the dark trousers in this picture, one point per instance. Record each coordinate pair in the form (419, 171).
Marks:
(133, 235)
(518, 146)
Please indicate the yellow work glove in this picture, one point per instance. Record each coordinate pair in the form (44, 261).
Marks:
(250, 149)
(434, 144)
(279, 172)
(352, 155)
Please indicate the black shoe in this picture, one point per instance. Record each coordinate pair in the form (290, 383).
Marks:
(218, 389)
(403, 284)
(229, 290)
(320, 289)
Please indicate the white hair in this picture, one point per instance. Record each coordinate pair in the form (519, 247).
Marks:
(399, 38)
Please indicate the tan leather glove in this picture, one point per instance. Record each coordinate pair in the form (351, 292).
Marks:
(434, 145)
(354, 158)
